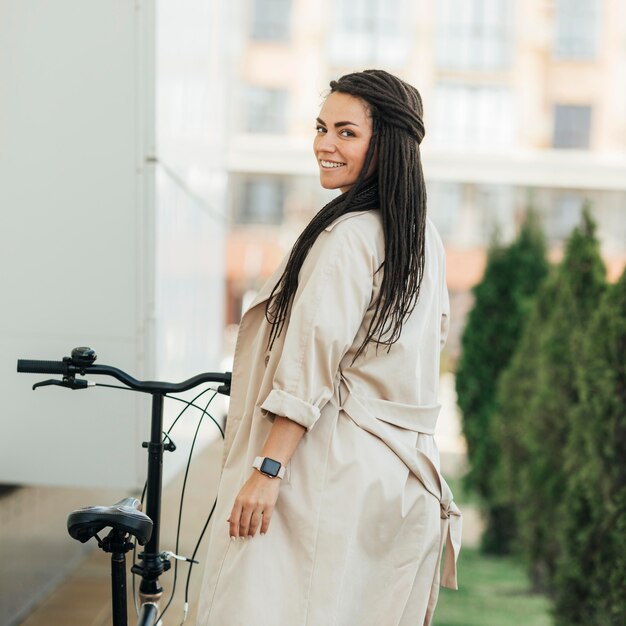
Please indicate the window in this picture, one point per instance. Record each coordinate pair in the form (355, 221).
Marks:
(496, 206)
(564, 216)
(572, 126)
(260, 200)
(271, 20)
(369, 31)
(576, 29)
(474, 34)
(444, 208)
(266, 111)
(474, 117)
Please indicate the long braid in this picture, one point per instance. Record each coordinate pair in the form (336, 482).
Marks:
(397, 189)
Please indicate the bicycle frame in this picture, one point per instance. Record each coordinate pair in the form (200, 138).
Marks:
(153, 566)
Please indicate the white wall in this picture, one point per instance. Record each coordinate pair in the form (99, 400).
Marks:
(89, 253)
(192, 71)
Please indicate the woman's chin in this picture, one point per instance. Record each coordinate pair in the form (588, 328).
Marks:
(324, 182)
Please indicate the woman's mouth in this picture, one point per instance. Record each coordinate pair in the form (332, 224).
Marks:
(331, 164)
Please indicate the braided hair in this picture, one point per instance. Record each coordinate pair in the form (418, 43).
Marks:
(397, 188)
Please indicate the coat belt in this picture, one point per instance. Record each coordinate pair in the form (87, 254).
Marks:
(419, 419)
(423, 421)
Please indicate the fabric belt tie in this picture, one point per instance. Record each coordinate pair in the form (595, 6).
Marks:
(421, 420)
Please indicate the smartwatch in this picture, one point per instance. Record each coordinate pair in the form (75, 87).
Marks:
(269, 467)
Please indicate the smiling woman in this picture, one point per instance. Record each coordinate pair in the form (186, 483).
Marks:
(331, 476)
(344, 131)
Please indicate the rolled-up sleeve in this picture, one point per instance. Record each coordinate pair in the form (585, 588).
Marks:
(334, 292)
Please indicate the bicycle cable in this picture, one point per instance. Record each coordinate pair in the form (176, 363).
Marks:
(180, 509)
(189, 403)
(193, 557)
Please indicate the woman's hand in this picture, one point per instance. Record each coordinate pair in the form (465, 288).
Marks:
(254, 505)
(256, 500)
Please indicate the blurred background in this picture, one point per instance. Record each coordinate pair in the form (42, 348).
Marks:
(156, 164)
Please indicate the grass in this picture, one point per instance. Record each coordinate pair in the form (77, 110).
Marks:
(493, 591)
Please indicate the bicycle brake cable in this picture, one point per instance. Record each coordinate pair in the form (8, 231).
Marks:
(182, 499)
(189, 403)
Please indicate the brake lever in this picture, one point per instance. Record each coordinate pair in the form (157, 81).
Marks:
(69, 383)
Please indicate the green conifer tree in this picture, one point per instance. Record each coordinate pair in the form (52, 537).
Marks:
(502, 303)
(591, 576)
(577, 286)
(514, 395)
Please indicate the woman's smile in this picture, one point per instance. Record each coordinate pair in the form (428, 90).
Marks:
(331, 164)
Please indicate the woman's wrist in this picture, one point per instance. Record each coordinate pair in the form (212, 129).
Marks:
(283, 439)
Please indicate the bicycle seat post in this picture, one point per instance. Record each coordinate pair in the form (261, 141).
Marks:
(152, 564)
(117, 543)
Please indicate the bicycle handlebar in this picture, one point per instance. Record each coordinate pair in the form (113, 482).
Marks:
(68, 368)
(41, 367)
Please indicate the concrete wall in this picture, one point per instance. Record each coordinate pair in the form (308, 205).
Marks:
(75, 267)
(112, 225)
(112, 190)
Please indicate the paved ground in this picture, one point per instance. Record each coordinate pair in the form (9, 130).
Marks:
(83, 600)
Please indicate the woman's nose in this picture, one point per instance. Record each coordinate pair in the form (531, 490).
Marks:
(325, 143)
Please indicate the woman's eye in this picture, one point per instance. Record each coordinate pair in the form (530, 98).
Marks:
(349, 133)
(320, 129)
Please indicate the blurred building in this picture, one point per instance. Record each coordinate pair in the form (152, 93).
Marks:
(525, 105)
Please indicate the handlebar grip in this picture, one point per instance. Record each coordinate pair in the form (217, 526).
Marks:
(41, 367)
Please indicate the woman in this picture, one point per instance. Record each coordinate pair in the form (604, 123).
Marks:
(334, 397)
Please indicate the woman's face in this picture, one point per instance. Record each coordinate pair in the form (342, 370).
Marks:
(344, 130)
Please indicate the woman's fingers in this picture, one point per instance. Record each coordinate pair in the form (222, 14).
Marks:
(255, 521)
(267, 514)
(244, 521)
(235, 515)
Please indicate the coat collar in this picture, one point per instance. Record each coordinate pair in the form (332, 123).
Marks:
(270, 283)
(344, 217)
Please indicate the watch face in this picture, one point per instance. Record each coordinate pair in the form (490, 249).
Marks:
(270, 467)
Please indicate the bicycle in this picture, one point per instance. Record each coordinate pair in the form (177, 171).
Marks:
(125, 517)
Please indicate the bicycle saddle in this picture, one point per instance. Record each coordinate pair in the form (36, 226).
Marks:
(125, 515)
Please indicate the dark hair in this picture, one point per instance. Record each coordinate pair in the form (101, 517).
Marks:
(397, 189)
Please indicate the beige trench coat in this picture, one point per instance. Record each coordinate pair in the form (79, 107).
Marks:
(363, 513)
